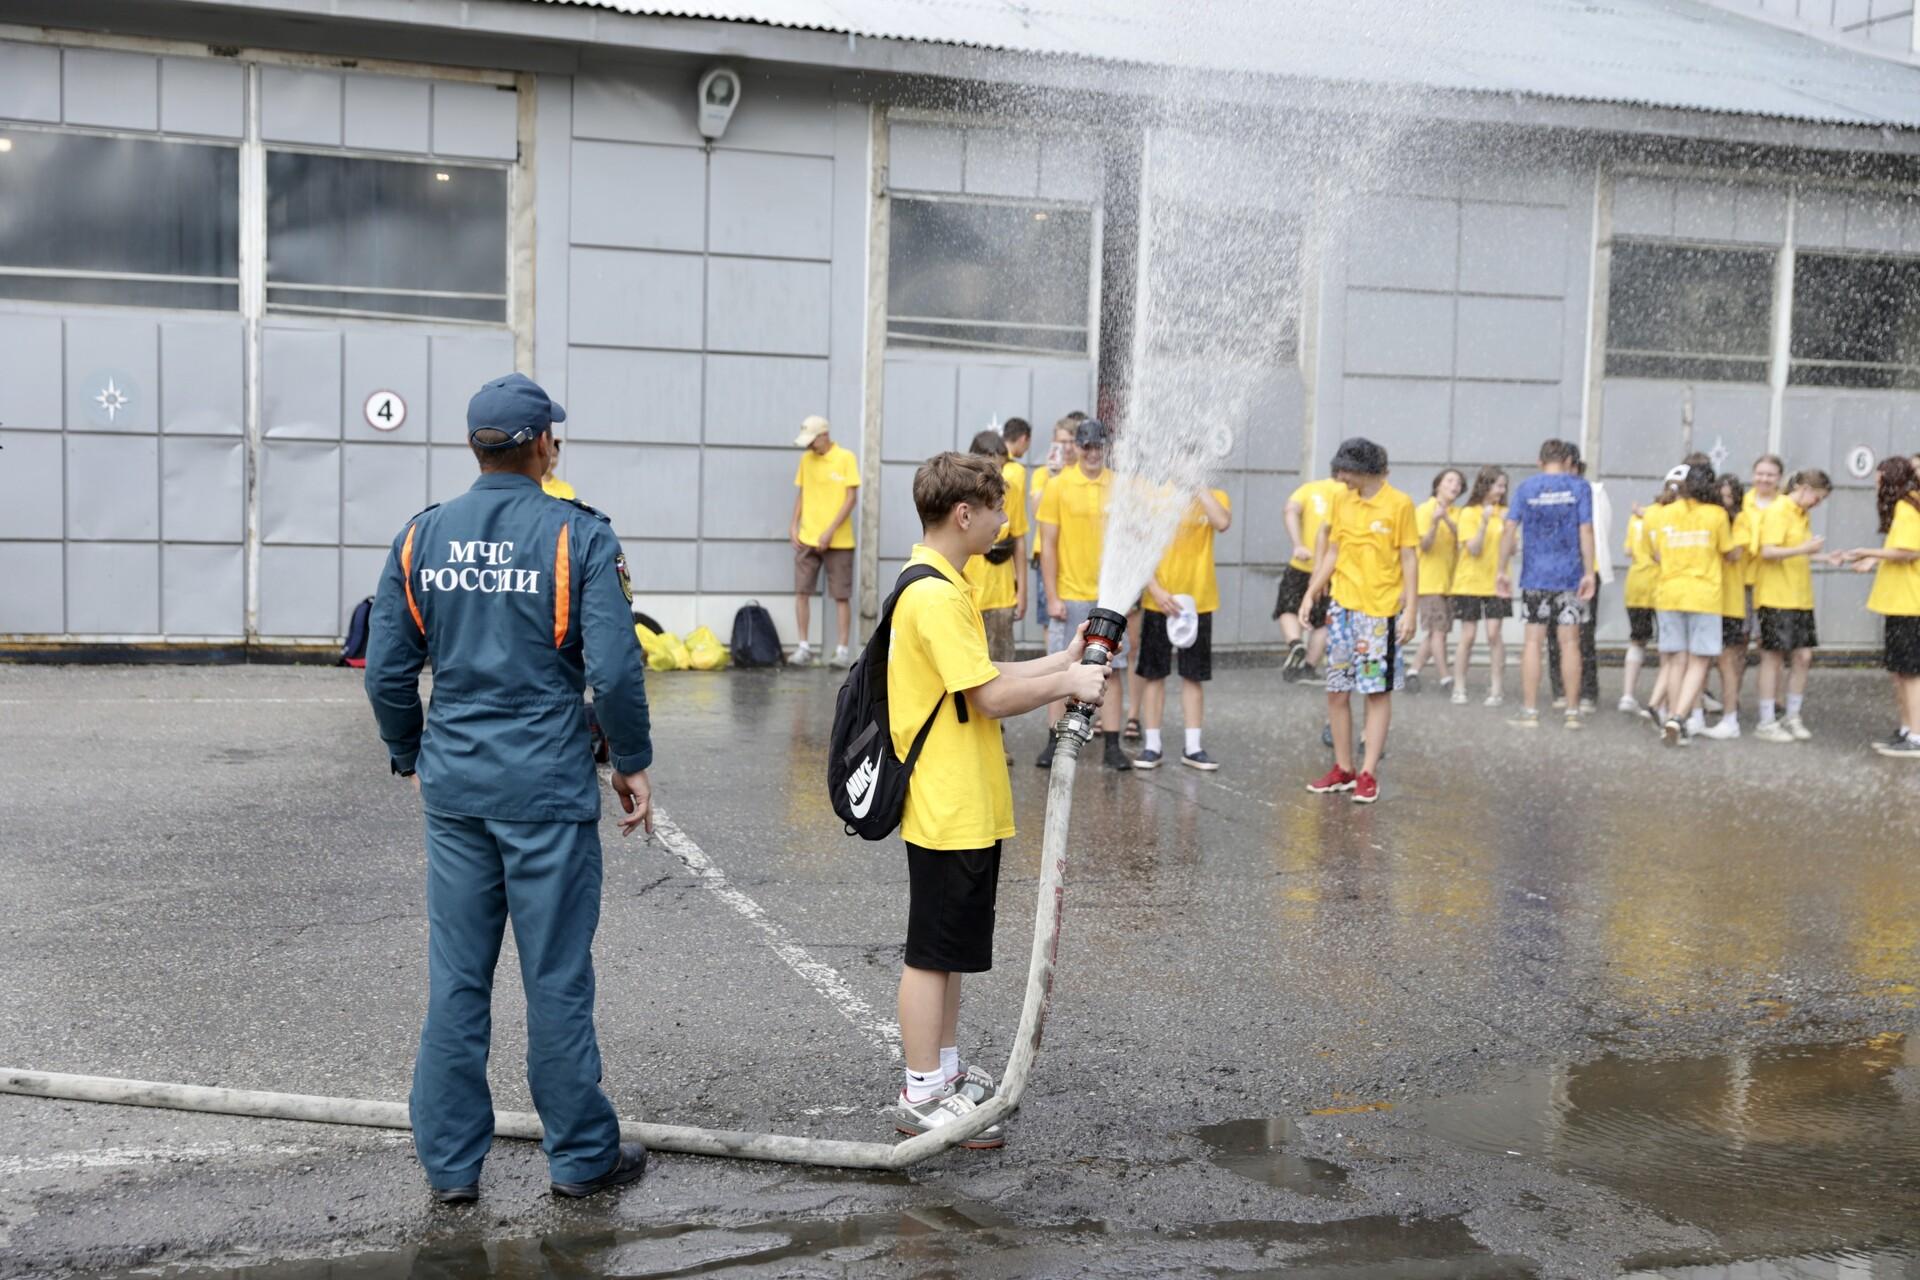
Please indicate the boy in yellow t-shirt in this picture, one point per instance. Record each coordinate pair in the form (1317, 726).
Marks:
(1784, 547)
(1895, 566)
(959, 805)
(828, 480)
(997, 576)
(1306, 634)
(1185, 581)
(1370, 560)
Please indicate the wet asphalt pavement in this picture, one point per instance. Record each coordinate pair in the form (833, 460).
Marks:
(1560, 1004)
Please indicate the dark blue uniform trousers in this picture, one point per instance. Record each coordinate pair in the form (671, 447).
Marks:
(545, 876)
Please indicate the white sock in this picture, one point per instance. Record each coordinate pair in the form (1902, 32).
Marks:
(950, 1061)
(1732, 718)
(1193, 741)
(1152, 737)
(1766, 711)
(1697, 721)
(1794, 701)
(924, 1085)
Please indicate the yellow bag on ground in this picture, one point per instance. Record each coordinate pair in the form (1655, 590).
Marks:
(707, 653)
(664, 652)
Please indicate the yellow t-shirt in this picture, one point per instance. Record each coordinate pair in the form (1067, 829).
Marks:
(555, 487)
(1693, 538)
(1370, 534)
(1316, 503)
(823, 480)
(1896, 587)
(1036, 485)
(1187, 568)
(997, 585)
(1642, 572)
(1750, 505)
(1733, 584)
(1473, 575)
(1783, 584)
(1436, 564)
(959, 796)
(1078, 507)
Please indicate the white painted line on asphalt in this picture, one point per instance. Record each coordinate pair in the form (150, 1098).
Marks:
(121, 1157)
(213, 702)
(880, 1032)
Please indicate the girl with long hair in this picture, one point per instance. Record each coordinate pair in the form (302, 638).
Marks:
(1690, 541)
(1733, 614)
(1475, 603)
(1895, 566)
(1439, 534)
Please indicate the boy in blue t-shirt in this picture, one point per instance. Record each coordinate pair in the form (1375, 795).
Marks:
(1551, 515)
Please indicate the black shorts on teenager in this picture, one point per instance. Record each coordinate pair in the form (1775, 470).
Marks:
(1733, 633)
(1474, 608)
(1293, 589)
(1157, 653)
(950, 900)
(1784, 630)
(1903, 644)
(1640, 626)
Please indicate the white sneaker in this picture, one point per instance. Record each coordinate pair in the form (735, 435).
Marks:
(1494, 700)
(840, 658)
(1459, 698)
(1629, 705)
(1725, 731)
(802, 655)
(1773, 731)
(1797, 727)
(916, 1118)
(1588, 706)
(1559, 704)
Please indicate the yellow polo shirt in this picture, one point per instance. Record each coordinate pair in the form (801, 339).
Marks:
(1733, 584)
(1642, 572)
(1693, 538)
(1370, 534)
(959, 796)
(823, 480)
(1316, 503)
(1474, 575)
(1077, 506)
(1750, 566)
(1436, 564)
(1187, 568)
(1783, 584)
(996, 585)
(1896, 587)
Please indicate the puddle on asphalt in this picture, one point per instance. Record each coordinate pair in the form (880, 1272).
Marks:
(1806, 1159)
(1258, 1149)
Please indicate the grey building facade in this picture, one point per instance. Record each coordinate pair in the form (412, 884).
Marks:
(254, 256)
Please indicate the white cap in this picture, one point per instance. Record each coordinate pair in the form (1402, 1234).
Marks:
(1183, 628)
(1678, 475)
(811, 428)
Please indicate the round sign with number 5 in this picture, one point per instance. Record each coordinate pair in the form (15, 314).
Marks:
(385, 411)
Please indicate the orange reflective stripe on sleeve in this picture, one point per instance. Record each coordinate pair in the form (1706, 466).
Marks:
(406, 579)
(562, 590)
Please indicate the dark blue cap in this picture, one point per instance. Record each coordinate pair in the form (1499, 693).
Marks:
(510, 411)
(1091, 431)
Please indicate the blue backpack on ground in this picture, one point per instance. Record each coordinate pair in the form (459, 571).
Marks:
(755, 642)
(865, 780)
(353, 651)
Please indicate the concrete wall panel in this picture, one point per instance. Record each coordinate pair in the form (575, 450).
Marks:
(1059, 388)
(202, 377)
(299, 591)
(761, 400)
(30, 485)
(202, 95)
(452, 471)
(1410, 417)
(1509, 338)
(764, 569)
(360, 570)
(298, 105)
(772, 205)
(748, 493)
(1408, 334)
(1640, 420)
(1502, 422)
(1643, 206)
(650, 397)
(1399, 242)
(203, 591)
(1507, 248)
(112, 373)
(480, 120)
(770, 308)
(664, 566)
(382, 485)
(1070, 168)
(1704, 211)
(29, 82)
(1002, 162)
(389, 113)
(638, 197)
(649, 492)
(627, 299)
(1820, 220)
(34, 602)
(31, 396)
(299, 494)
(1760, 215)
(300, 384)
(1276, 422)
(780, 114)
(917, 410)
(203, 490)
(461, 365)
(925, 157)
(989, 394)
(635, 105)
(899, 522)
(113, 588)
(1262, 518)
(1730, 419)
(111, 89)
(383, 360)
(1874, 223)
(113, 487)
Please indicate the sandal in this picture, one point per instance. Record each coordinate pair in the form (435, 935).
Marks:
(1132, 731)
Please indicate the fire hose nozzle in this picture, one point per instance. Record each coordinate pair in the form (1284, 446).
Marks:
(1106, 631)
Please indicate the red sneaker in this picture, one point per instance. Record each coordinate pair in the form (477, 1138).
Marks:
(1337, 779)
(1365, 789)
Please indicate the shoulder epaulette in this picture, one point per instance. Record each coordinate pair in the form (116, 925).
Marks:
(433, 506)
(601, 516)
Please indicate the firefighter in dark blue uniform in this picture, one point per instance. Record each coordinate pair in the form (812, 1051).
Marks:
(519, 601)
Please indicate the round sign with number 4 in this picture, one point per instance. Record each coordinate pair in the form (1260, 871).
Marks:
(385, 411)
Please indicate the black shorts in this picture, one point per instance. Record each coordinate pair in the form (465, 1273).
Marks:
(1903, 645)
(1293, 587)
(1640, 625)
(1157, 653)
(1474, 608)
(1733, 633)
(950, 901)
(1784, 630)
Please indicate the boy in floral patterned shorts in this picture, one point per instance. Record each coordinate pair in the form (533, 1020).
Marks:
(1371, 561)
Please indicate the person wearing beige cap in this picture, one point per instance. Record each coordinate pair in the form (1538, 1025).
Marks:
(828, 480)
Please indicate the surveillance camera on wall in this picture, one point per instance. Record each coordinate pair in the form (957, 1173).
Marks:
(719, 95)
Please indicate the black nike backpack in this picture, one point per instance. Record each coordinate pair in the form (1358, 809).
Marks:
(754, 642)
(866, 781)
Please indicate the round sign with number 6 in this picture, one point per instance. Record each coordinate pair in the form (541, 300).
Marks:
(385, 411)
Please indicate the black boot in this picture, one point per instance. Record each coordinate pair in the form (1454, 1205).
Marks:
(628, 1168)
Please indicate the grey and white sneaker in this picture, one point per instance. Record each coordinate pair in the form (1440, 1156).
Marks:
(916, 1118)
(1798, 728)
(1907, 748)
(975, 1085)
(802, 655)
